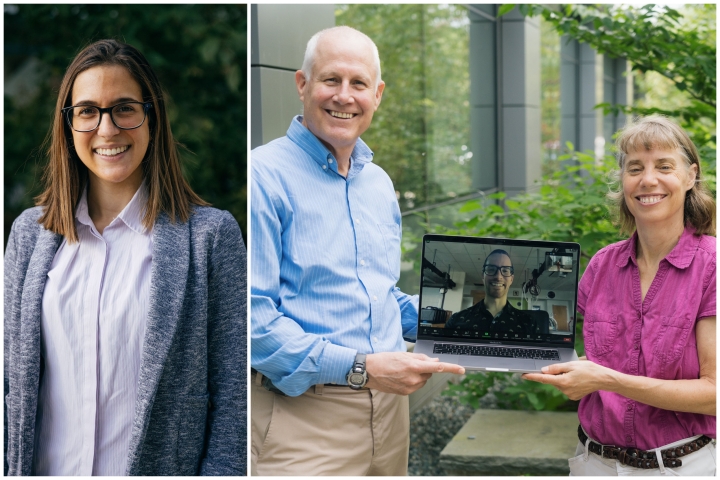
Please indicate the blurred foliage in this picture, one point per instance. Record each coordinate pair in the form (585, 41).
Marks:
(420, 134)
(199, 54)
(570, 206)
(510, 392)
(657, 40)
(653, 37)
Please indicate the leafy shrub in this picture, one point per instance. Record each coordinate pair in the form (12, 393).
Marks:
(569, 205)
(510, 392)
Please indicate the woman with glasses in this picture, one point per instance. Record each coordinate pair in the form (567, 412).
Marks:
(124, 295)
(647, 386)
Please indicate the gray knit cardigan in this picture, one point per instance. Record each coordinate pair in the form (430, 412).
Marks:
(190, 412)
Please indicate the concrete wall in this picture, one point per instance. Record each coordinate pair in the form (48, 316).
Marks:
(587, 79)
(279, 36)
(505, 100)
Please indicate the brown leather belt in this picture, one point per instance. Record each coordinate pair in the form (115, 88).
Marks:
(637, 458)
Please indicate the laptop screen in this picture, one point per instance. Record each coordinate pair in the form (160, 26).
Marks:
(498, 290)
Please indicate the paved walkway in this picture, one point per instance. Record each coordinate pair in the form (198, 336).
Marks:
(512, 442)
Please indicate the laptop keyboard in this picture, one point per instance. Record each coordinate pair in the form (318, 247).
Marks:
(484, 351)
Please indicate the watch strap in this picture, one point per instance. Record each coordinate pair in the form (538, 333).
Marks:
(357, 370)
(359, 363)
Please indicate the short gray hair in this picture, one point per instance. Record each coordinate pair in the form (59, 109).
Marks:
(312, 47)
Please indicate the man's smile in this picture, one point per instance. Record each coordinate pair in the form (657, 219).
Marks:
(341, 114)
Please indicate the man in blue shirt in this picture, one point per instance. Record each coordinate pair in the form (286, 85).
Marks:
(330, 368)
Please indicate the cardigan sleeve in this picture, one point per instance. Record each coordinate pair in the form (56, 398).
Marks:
(227, 353)
(10, 262)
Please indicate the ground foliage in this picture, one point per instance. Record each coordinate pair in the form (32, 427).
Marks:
(199, 54)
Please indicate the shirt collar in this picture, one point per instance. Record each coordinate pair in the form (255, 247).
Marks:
(305, 139)
(132, 215)
(680, 256)
(507, 308)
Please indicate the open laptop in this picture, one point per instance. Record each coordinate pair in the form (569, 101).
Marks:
(466, 280)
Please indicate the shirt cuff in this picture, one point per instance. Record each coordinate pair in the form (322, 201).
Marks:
(335, 364)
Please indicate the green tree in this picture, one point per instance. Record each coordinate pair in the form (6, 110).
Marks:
(199, 54)
(677, 45)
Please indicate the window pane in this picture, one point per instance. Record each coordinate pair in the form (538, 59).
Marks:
(420, 133)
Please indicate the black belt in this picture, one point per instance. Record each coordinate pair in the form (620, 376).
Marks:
(637, 458)
(269, 386)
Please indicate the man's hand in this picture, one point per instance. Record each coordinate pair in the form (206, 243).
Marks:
(402, 373)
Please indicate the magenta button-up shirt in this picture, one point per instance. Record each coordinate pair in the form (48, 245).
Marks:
(651, 338)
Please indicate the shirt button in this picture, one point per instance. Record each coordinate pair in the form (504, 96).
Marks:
(637, 347)
(375, 298)
(628, 439)
(362, 262)
(375, 339)
(630, 407)
(324, 167)
(329, 160)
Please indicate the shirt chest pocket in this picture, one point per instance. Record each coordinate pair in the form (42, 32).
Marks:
(600, 332)
(391, 241)
(672, 337)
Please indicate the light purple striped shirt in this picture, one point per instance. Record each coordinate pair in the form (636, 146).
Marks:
(94, 313)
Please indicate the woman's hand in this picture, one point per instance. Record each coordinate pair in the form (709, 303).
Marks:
(574, 379)
(577, 379)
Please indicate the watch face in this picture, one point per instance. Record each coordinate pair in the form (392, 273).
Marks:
(356, 378)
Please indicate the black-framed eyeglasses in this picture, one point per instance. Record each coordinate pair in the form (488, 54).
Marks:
(493, 269)
(125, 115)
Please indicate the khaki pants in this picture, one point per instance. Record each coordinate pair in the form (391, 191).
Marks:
(329, 430)
(700, 463)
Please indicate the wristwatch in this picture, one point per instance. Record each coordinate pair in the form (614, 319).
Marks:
(357, 376)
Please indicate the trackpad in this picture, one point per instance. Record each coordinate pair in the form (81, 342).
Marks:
(509, 363)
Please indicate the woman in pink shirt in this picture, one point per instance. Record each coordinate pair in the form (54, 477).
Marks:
(647, 385)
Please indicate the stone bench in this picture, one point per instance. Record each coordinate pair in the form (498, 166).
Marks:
(512, 442)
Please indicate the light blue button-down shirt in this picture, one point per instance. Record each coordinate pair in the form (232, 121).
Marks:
(325, 258)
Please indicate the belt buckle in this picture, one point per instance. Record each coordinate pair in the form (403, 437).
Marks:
(630, 456)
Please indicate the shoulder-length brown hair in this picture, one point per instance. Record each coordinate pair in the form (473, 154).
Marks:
(657, 131)
(65, 176)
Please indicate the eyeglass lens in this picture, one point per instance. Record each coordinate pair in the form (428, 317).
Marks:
(492, 270)
(124, 115)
